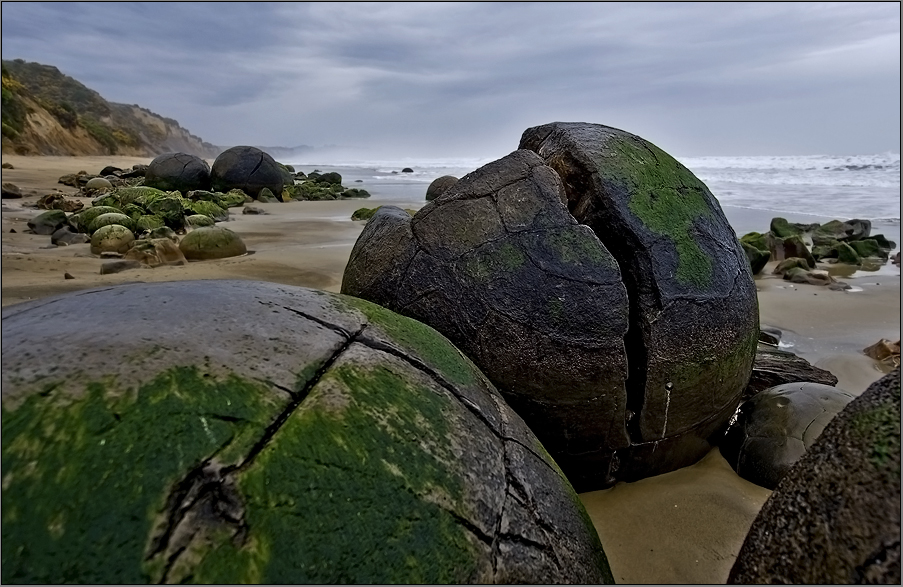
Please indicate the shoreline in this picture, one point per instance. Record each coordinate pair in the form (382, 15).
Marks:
(683, 526)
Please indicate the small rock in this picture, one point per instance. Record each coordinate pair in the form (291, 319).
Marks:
(118, 266)
(67, 275)
(252, 210)
(11, 191)
(13, 230)
(407, 170)
(8, 166)
(98, 183)
(65, 236)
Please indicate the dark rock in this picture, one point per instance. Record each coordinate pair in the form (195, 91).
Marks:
(118, 266)
(12, 230)
(67, 275)
(500, 266)
(791, 246)
(65, 236)
(211, 242)
(11, 191)
(896, 259)
(358, 446)
(838, 230)
(869, 248)
(110, 170)
(253, 210)
(267, 197)
(757, 258)
(355, 193)
(770, 336)
(861, 229)
(789, 263)
(439, 186)
(407, 170)
(48, 222)
(178, 171)
(138, 170)
(7, 166)
(773, 429)
(330, 177)
(246, 168)
(835, 517)
(774, 367)
(882, 241)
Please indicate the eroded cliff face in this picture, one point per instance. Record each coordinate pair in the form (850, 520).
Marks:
(48, 113)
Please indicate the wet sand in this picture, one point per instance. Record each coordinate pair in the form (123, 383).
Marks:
(682, 527)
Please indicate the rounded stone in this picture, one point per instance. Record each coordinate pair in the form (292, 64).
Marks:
(210, 209)
(112, 238)
(178, 171)
(774, 428)
(98, 183)
(439, 185)
(211, 242)
(198, 220)
(249, 432)
(835, 517)
(111, 218)
(246, 168)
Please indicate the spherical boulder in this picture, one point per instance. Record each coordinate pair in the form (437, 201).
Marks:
(597, 284)
(439, 185)
(246, 168)
(98, 183)
(82, 220)
(110, 218)
(178, 171)
(112, 238)
(211, 242)
(199, 220)
(772, 430)
(248, 432)
(835, 517)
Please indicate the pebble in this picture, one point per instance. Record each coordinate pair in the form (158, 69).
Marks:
(68, 275)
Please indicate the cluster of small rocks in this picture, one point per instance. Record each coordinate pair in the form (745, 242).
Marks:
(800, 247)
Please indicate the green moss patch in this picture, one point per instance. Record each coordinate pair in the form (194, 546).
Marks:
(880, 426)
(666, 197)
(85, 480)
(371, 474)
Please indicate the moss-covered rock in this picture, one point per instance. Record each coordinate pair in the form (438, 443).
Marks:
(869, 248)
(197, 220)
(171, 207)
(111, 218)
(112, 238)
(48, 222)
(756, 239)
(790, 263)
(781, 228)
(845, 253)
(884, 243)
(787, 247)
(329, 178)
(364, 213)
(208, 209)
(355, 193)
(148, 222)
(267, 197)
(83, 219)
(322, 439)
(211, 242)
(757, 258)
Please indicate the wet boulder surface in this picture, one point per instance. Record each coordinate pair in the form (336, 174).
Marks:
(247, 432)
(178, 171)
(499, 266)
(835, 517)
(774, 429)
(248, 169)
(558, 269)
(693, 306)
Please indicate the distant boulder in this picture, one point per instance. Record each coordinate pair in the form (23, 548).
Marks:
(407, 170)
(11, 191)
(439, 185)
(178, 171)
(248, 169)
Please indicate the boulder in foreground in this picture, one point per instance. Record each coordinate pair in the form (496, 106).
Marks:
(246, 432)
(835, 517)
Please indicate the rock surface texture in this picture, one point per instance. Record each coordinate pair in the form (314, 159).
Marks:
(835, 517)
(244, 432)
(776, 427)
(554, 311)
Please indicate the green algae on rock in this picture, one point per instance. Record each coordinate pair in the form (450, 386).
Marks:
(322, 439)
(113, 238)
(211, 242)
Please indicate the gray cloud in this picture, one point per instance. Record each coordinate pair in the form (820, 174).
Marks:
(466, 79)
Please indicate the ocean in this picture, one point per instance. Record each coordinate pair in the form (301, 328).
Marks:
(751, 190)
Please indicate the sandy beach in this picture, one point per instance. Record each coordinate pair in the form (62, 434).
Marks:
(682, 527)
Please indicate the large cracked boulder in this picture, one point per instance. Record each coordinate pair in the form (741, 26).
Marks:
(247, 432)
(178, 171)
(835, 517)
(248, 169)
(500, 266)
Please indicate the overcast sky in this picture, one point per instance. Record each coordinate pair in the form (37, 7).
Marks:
(465, 80)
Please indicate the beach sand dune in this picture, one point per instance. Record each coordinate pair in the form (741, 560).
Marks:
(682, 527)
